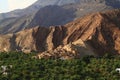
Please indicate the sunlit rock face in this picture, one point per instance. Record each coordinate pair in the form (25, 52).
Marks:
(93, 34)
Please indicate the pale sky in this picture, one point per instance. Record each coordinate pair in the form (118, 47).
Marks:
(9, 5)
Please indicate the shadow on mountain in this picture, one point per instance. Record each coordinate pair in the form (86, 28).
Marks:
(53, 15)
(113, 3)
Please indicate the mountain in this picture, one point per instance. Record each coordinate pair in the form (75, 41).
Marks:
(54, 12)
(35, 7)
(52, 16)
(42, 3)
(10, 25)
(96, 33)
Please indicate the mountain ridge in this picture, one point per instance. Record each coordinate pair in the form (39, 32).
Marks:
(35, 7)
(39, 4)
(98, 30)
(53, 15)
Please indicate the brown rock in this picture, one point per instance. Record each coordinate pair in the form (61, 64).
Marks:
(97, 33)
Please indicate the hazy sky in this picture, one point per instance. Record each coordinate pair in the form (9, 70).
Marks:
(8, 5)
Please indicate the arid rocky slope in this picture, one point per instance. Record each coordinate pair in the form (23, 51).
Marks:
(52, 12)
(35, 7)
(99, 32)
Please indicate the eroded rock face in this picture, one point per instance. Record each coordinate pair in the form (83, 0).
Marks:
(72, 50)
(100, 31)
(21, 41)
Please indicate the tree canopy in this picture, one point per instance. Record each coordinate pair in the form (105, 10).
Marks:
(20, 66)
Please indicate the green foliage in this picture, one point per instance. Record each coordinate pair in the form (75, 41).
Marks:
(87, 68)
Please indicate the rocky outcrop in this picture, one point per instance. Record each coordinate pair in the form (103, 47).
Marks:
(72, 50)
(21, 41)
(99, 31)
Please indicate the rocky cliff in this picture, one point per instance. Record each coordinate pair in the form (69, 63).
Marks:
(99, 31)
